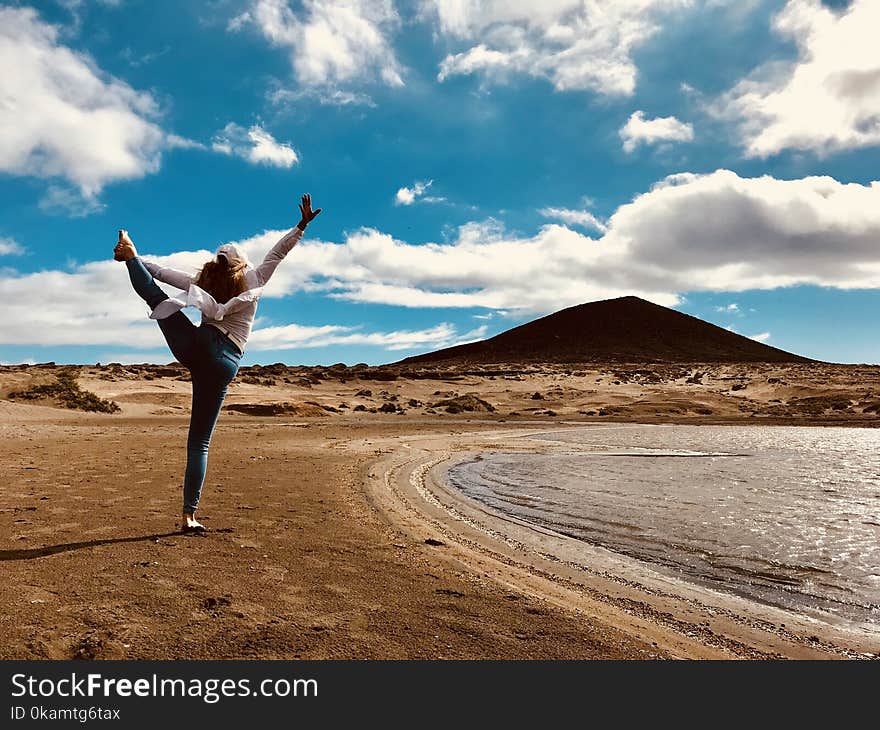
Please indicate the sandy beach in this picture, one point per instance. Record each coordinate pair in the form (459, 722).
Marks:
(333, 533)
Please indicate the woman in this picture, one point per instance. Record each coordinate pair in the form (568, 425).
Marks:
(226, 290)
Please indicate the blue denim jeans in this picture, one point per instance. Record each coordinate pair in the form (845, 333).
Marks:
(213, 361)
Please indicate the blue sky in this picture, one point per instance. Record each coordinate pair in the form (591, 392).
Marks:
(479, 164)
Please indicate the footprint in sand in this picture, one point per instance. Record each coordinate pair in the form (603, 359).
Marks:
(36, 595)
(96, 645)
(54, 528)
(274, 574)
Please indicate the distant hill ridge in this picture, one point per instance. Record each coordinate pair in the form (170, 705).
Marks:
(627, 329)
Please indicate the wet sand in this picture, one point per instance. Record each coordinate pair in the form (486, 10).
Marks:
(331, 533)
(682, 619)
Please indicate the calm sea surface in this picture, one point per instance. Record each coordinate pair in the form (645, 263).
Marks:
(787, 516)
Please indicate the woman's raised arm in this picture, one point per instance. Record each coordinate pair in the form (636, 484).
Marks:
(276, 254)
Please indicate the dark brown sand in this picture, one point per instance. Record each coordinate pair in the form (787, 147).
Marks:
(296, 565)
(305, 558)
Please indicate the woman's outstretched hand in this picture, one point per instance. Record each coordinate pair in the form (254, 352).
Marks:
(308, 215)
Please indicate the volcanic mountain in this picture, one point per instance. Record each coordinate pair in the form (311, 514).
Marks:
(627, 329)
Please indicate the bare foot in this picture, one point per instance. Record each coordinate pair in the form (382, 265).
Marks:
(124, 249)
(191, 524)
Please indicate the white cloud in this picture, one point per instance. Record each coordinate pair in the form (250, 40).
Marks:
(639, 130)
(481, 58)
(239, 21)
(722, 232)
(136, 61)
(73, 4)
(176, 142)
(92, 304)
(323, 96)
(292, 336)
(484, 267)
(827, 100)
(80, 8)
(69, 201)
(728, 308)
(582, 218)
(255, 145)
(408, 196)
(63, 117)
(712, 232)
(331, 43)
(10, 247)
(573, 44)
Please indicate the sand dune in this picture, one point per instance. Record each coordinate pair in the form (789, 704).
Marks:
(682, 392)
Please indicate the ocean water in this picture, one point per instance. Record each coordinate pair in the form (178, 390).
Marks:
(783, 515)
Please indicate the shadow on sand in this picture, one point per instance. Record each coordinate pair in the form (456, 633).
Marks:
(70, 546)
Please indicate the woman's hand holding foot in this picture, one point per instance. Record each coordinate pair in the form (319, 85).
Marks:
(124, 249)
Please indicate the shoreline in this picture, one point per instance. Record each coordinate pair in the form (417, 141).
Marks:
(310, 557)
(296, 563)
(680, 617)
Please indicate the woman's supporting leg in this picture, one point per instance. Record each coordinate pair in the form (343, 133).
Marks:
(207, 399)
(178, 330)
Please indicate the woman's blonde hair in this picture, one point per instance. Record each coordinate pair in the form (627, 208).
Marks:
(222, 279)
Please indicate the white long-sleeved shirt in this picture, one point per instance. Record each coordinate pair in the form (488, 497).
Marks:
(237, 315)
